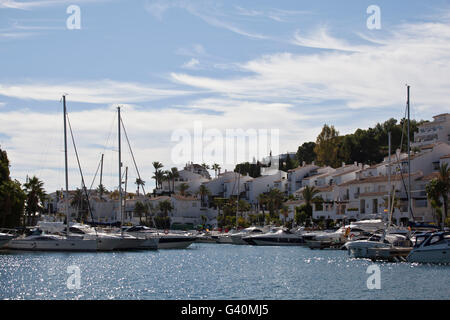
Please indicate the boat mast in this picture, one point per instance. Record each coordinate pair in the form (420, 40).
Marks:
(237, 198)
(120, 174)
(66, 202)
(101, 177)
(409, 158)
(389, 180)
(125, 191)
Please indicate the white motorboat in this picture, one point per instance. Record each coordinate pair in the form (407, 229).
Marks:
(276, 237)
(5, 238)
(225, 238)
(162, 239)
(236, 238)
(365, 248)
(431, 248)
(49, 242)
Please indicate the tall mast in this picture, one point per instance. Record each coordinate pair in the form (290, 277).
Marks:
(101, 176)
(66, 202)
(389, 180)
(120, 173)
(125, 191)
(409, 159)
(237, 198)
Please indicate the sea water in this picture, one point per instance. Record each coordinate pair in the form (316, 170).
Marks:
(214, 271)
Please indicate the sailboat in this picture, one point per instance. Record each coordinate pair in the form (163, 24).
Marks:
(39, 241)
(127, 241)
(380, 244)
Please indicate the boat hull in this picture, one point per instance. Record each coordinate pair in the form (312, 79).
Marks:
(430, 256)
(274, 241)
(175, 242)
(60, 245)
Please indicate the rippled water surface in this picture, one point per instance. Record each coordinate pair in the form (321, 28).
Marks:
(210, 271)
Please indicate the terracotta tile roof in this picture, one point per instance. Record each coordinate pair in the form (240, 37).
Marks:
(184, 198)
(445, 157)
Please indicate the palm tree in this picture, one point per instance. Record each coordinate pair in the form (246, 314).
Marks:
(285, 212)
(203, 192)
(274, 200)
(165, 207)
(175, 175)
(216, 168)
(438, 189)
(183, 188)
(157, 165)
(205, 166)
(262, 201)
(140, 209)
(139, 182)
(35, 197)
(309, 194)
(101, 190)
(80, 203)
(159, 177)
(168, 176)
(444, 179)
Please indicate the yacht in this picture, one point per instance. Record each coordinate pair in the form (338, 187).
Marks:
(226, 237)
(431, 248)
(275, 237)
(207, 237)
(236, 238)
(365, 248)
(39, 241)
(162, 240)
(5, 238)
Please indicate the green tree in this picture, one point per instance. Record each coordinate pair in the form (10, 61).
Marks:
(204, 193)
(183, 188)
(140, 183)
(157, 165)
(35, 198)
(79, 202)
(306, 153)
(326, 146)
(140, 209)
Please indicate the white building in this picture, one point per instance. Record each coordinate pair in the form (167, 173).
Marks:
(434, 131)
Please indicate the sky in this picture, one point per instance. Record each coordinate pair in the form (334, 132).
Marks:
(288, 66)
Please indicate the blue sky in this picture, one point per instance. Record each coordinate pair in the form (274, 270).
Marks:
(290, 65)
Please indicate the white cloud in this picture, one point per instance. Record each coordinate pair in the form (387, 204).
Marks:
(34, 140)
(191, 64)
(369, 76)
(28, 5)
(102, 91)
(205, 10)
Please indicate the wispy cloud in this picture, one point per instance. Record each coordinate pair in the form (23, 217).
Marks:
(361, 76)
(28, 5)
(191, 64)
(205, 10)
(102, 91)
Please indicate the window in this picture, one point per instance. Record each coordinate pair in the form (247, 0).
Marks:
(362, 206)
(435, 165)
